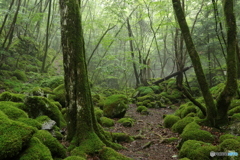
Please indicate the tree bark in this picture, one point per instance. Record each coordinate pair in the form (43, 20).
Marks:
(211, 108)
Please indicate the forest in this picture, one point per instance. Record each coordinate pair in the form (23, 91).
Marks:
(119, 80)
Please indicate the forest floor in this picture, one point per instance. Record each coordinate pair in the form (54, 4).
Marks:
(152, 134)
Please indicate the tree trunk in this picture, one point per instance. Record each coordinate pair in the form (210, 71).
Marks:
(230, 89)
(211, 108)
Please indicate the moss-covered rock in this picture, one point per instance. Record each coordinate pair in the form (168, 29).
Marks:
(110, 154)
(185, 109)
(181, 124)
(14, 136)
(52, 143)
(144, 90)
(149, 97)
(75, 158)
(229, 136)
(115, 106)
(36, 150)
(98, 113)
(236, 117)
(216, 90)
(197, 150)
(170, 120)
(30, 122)
(38, 106)
(126, 122)
(11, 111)
(59, 95)
(106, 122)
(121, 137)
(193, 132)
(14, 97)
(142, 109)
(230, 145)
(52, 82)
(20, 75)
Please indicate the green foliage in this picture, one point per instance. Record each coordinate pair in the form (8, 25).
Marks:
(115, 106)
(196, 150)
(14, 136)
(106, 122)
(181, 124)
(236, 117)
(234, 110)
(20, 75)
(52, 143)
(126, 122)
(7, 96)
(41, 105)
(11, 111)
(36, 150)
(216, 90)
(170, 120)
(193, 132)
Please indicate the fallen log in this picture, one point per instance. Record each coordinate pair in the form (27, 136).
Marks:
(172, 75)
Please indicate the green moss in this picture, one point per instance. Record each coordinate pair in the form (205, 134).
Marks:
(230, 145)
(110, 154)
(156, 89)
(20, 75)
(11, 111)
(40, 105)
(171, 139)
(149, 97)
(236, 117)
(196, 150)
(115, 106)
(126, 122)
(52, 143)
(144, 90)
(229, 136)
(234, 103)
(234, 110)
(36, 150)
(30, 122)
(42, 119)
(52, 82)
(142, 109)
(181, 124)
(7, 96)
(121, 137)
(91, 145)
(14, 136)
(38, 91)
(184, 159)
(98, 113)
(59, 94)
(193, 132)
(106, 122)
(146, 103)
(74, 158)
(170, 120)
(216, 90)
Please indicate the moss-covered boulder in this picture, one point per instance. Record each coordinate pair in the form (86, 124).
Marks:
(98, 113)
(126, 122)
(197, 150)
(185, 109)
(59, 94)
(57, 149)
(229, 136)
(170, 120)
(36, 150)
(110, 154)
(14, 136)
(74, 158)
(143, 110)
(144, 90)
(38, 106)
(11, 111)
(30, 122)
(230, 145)
(181, 124)
(121, 137)
(106, 122)
(115, 106)
(14, 97)
(193, 132)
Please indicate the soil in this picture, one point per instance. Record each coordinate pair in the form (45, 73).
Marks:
(151, 134)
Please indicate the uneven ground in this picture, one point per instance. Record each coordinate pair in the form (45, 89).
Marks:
(150, 127)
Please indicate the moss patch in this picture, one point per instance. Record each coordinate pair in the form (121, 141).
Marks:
(126, 122)
(7, 96)
(74, 158)
(106, 122)
(121, 137)
(14, 136)
(230, 145)
(234, 110)
(196, 150)
(193, 132)
(170, 120)
(142, 109)
(30, 122)
(36, 150)
(52, 143)
(98, 113)
(181, 124)
(110, 154)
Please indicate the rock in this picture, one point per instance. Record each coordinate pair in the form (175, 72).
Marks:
(48, 125)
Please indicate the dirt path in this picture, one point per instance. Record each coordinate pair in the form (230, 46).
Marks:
(152, 145)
